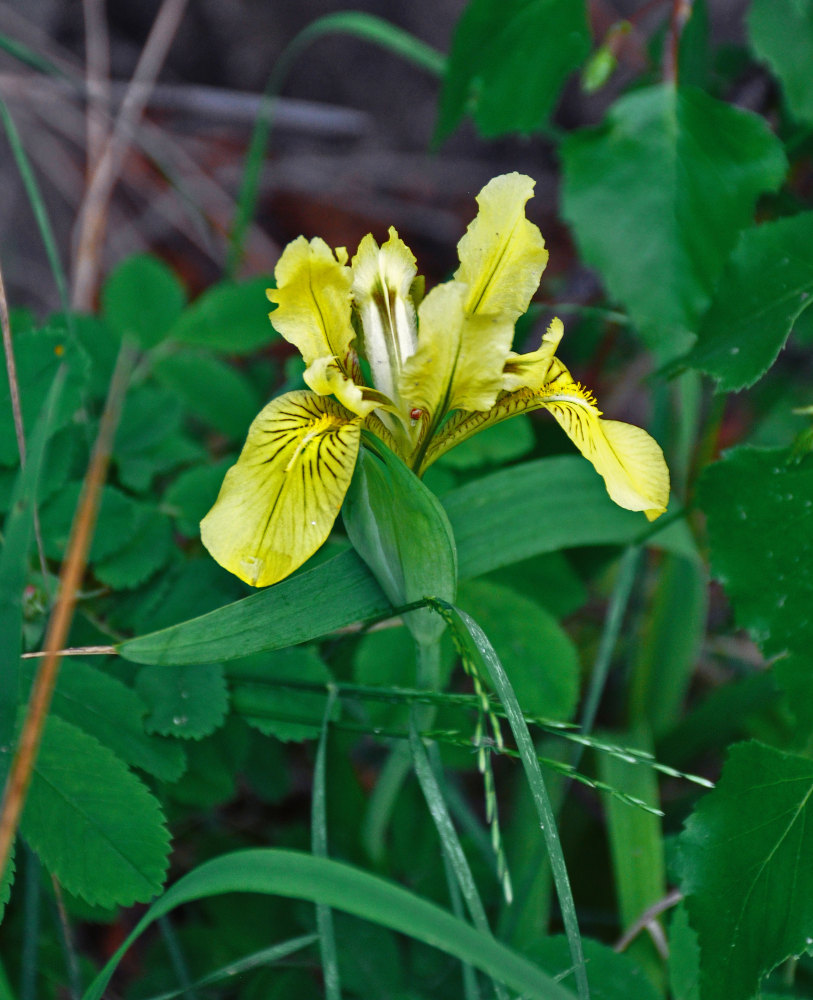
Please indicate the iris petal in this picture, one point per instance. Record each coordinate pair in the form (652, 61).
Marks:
(278, 503)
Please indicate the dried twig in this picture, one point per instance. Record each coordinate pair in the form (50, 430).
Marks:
(681, 12)
(649, 921)
(92, 215)
(70, 578)
(97, 76)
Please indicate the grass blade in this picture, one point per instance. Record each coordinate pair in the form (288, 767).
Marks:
(473, 644)
(301, 876)
(324, 916)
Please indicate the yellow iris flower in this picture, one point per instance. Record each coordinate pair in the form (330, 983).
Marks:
(440, 368)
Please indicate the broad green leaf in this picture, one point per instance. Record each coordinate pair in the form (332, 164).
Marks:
(384, 498)
(217, 393)
(781, 34)
(92, 822)
(746, 857)
(18, 530)
(656, 196)
(529, 509)
(187, 702)
(266, 691)
(232, 318)
(142, 298)
(37, 356)
(113, 713)
(146, 550)
(760, 522)
(509, 61)
(538, 655)
(338, 885)
(765, 287)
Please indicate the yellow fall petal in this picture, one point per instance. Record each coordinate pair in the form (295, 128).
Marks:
(278, 502)
(502, 255)
(629, 460)
(459, 361)
(313, 301)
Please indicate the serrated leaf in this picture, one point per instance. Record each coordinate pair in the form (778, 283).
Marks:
(232, 318)
(760, 522)
(217, 393)
(213, 766)
(260, 696)
(684, 957)
(765, 287)
(747, 869)
(509, 61)
(612, 976)
(781, 34)
(189, 702)
(92, 822)
(113, 713)
(37, 356)
(6, 882)
(193, 493)
(142, 298)
(114, 526)
(657, 195)
(145, 552)
(538, 656)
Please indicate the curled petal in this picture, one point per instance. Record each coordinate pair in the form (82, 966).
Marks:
(278, 502)
(629, 460)
(502, 255)
(533, 370)
(313, 300)
(326, 377)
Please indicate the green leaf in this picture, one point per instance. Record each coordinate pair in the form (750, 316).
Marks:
(562, 500)
(384, 498)
(38, 354)
(142, 298)
(113, 713)
(496, 445)
(213, 766)
(232, 318)
(338, 885)
(684, 957)
(217, 393)
(764, 288)
(147, 549)
(260, 694)
(509, 61)
(92, 822)
(746, 869)
(537, 653)
(781, 34)
(6, 882)
(187, 702)
(193, 493)
(116, 522)
(613, 976)
(656, 196)
(760, 522)
(18, 531)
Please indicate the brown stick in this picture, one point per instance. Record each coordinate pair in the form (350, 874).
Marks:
(92, 215)
(70, 578)
(97, 76)
(681, 12)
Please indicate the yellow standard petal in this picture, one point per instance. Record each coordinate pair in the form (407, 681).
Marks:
(278, 502)
(382, 278)
(630, 461)
(313, 302)
(502, 255)
(533, 370)
(460, 357)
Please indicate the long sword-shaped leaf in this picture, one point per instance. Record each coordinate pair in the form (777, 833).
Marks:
(541, 506)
